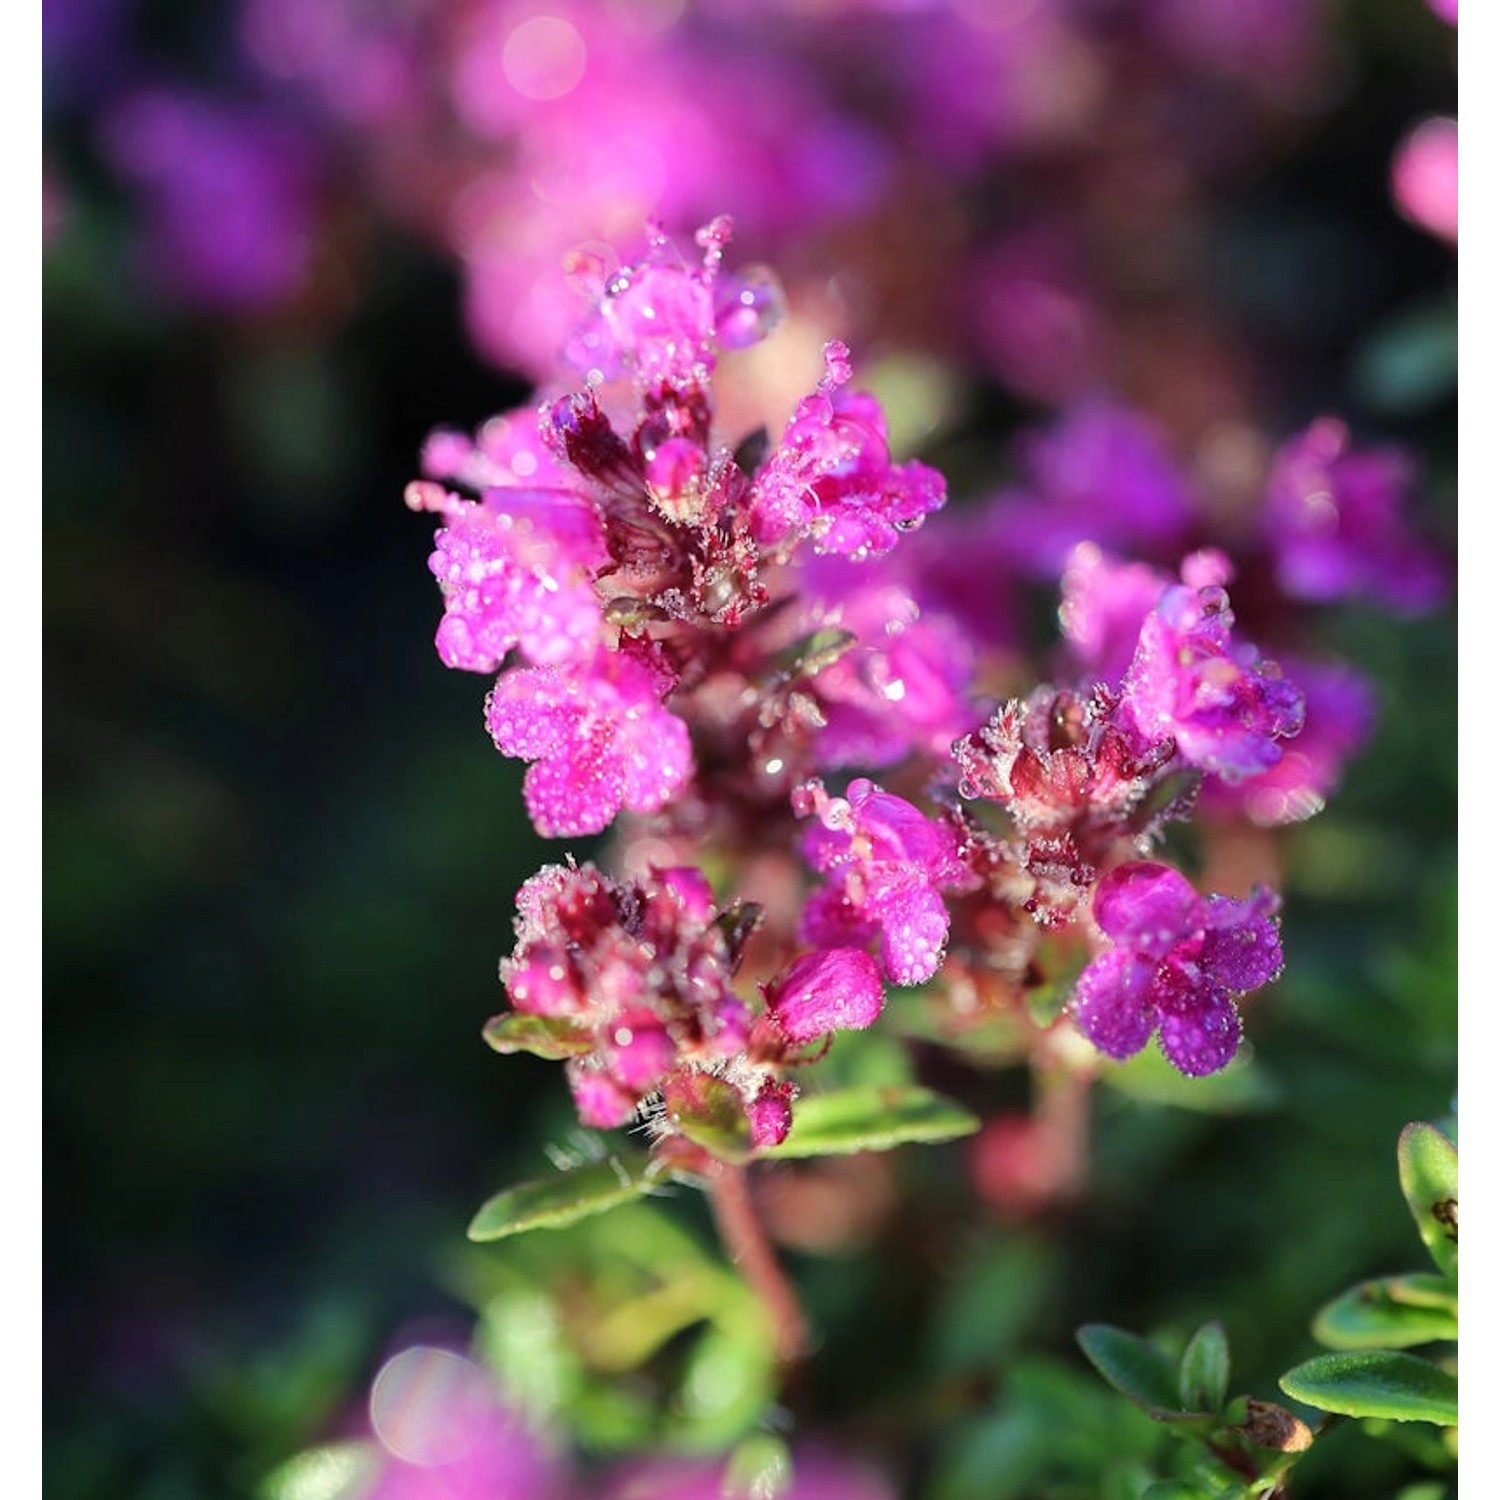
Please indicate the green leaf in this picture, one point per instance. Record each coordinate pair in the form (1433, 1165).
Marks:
(554, 1202)
(552, 1037)
(871, 1119)
(1429, 1177)
(1151, 1079)
(1390, 1312)
(759, 1469)
(1203, 1375)
(1376, 1383)
(337, 1471)
(1136, 1369)
(1177, 1489)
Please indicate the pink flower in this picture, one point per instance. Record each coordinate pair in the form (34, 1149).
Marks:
(1176, 963)
(516, 570)
(1340, 712)
(1335, 522)
(640, 973)
(889, 865)
(902, 686)
(597, 735)
(443, 1436)
(831, 478)
(1104, 602)
(1077, 784)
(1191, 680)
(836, 989)
(1424, 177)
(662, 320)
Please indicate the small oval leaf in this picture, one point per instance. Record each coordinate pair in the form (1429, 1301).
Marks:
(876, 1118)
(1203, 1375)
(1135, 1368)
(1429, 1178)
(552, 1037)
(1375, 1315)
(1376, 1383)
(564, 1198)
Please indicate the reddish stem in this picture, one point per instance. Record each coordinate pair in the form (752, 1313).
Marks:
(745, 1239)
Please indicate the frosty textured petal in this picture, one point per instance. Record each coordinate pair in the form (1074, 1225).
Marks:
(515, 571)
(831, 477)
(835, 990)
(913, 931)
(1203, 1038)
(1146, 907)
(1241, 946)
(889, 865)
(1191, 680)
(600, 740)
(1112, 1003)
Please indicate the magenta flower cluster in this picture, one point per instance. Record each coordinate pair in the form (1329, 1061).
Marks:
(711, 644)
(611, 518)
(634, 985)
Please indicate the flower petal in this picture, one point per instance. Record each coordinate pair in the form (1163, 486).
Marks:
(1113, 1005)
(1202, 1037)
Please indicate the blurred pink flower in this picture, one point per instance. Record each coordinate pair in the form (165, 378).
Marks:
(1424, 177)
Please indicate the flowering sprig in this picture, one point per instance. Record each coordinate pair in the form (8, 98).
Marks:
(711, 646)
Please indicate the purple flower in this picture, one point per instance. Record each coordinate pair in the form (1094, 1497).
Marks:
(831, 477)
(835, 989)
(1177, 963)
(1103, 604)
(516, 570)
(1340, 714)
(598, 735)
(1100, 474)
(228, 197)
(889, 866)
(506, 452)
(1334, 522)
(1191, 680)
